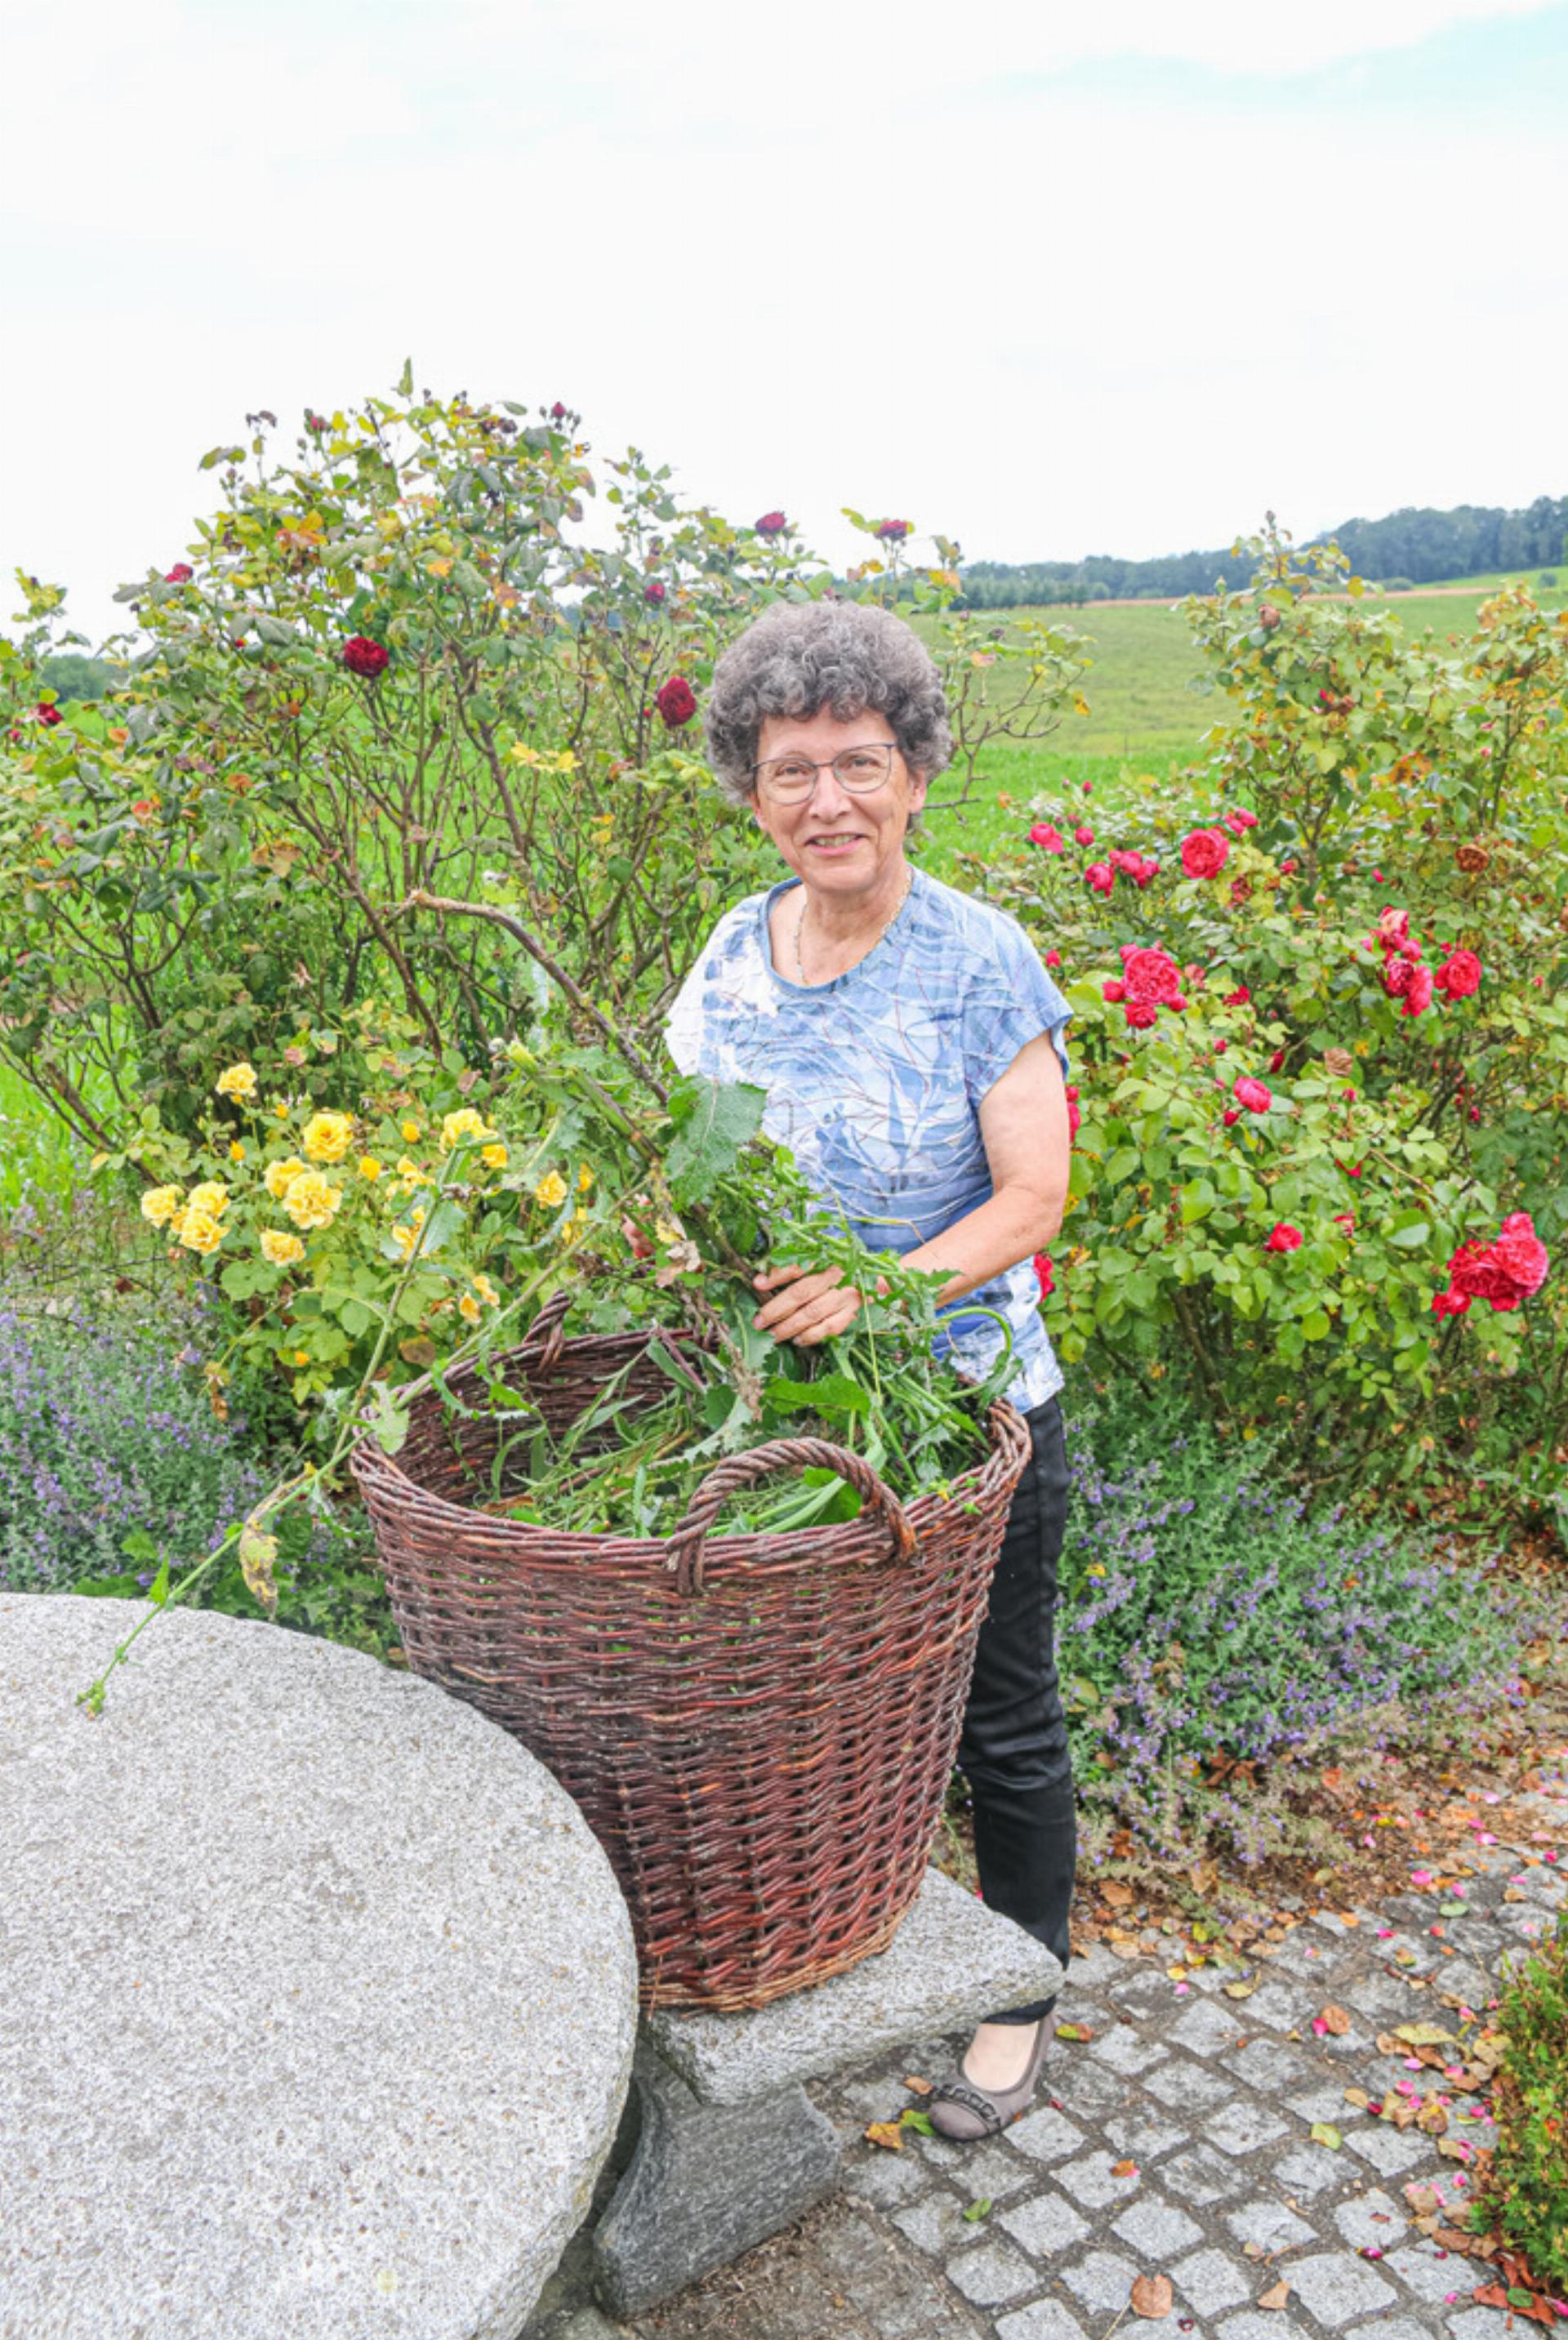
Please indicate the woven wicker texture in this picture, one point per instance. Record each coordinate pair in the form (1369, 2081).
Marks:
(759, 1729)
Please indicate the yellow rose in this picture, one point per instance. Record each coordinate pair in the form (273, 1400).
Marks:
(211, 1199)
(281, 1108)
(311, 1201)
(487, 1291)
(584, 1179)
(238, 1081)
(327, 1135)
(407, 1236)
(370, 1168)
(279, 1176)
(280, 1247)
(494, 1157)
(198, 1231)
(572, 1231)
(412, 1174)
(551, 1190)
(464, 1123)
(467, 1309)
(302, 1357)
(236, 1152)
(160, 1205)
(411, 1131)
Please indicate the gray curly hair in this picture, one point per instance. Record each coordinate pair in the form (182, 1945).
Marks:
(799, 657)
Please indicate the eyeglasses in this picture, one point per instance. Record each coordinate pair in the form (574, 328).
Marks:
(861, 772)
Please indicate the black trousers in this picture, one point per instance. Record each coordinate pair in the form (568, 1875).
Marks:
(1014, 1750)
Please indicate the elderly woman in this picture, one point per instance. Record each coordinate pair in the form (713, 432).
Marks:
(912, 1049)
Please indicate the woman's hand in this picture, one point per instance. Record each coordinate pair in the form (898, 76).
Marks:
(810, 1308)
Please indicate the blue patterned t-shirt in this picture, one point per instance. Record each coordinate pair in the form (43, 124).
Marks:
(874, 1080)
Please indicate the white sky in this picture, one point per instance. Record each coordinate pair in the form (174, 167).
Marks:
(1051, 289)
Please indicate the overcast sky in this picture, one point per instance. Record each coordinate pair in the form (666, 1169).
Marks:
(1050, 289)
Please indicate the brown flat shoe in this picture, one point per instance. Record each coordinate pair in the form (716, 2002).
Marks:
(960, 2110)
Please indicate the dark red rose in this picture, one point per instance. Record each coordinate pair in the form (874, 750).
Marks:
(1460, 975)
(1204, 853)
(1476, 1272)
(1152, 975)
(771, 523)
(675, 701)
(1284, 1237)
(181, 573)
(48, 713)
(1276, 1062)
(1238, 997)
(894, 531)
(558, 413)
(365, 658)
(653, 591)
(1520, 1250)
(1141, 1013)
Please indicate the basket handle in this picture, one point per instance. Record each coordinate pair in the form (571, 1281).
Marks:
(686, 1552)
(546, 1334)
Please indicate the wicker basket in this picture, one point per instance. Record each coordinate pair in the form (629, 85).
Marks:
(759, 1729)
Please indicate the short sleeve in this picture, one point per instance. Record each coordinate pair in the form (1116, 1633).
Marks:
(1010, 1001)
(691, 1032)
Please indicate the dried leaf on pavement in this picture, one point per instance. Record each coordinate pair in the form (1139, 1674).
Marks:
(1152, 2298)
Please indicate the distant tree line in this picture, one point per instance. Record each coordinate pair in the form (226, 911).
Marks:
(1418, 543)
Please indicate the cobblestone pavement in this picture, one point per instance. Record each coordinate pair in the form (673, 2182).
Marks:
(1176, 2141)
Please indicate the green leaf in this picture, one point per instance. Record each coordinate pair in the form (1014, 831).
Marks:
(1410, 1235)
(833, 1394)
(978, 2209)
(920, 2122)
(713, 1121)
(387, 1418)
(1316, 1326)
(1325, 2133)
(139, 1545)
(158, 1591)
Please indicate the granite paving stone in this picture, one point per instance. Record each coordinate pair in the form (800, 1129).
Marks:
(1145, 2134)
(1391, 2327)
(1324, 2103)
(1392, 2152)
(1091, 2181)
(1043, 2319)
(1308, 2170)
(1044, 2225)
(1264, 2064)
(1257, 2323)
(885, 2179)
(1336, 2287)
(1371, 2221)
(1088, 2090)
(1191, 2086)
(1122, 2049)
(1269, 2226)
(1475, 2324)
(936, 2224)
(1202, 2175)
(1206, 2028)
(1418, 2267)
(1244, 2125)
(992, 2275)
(1156, 2230)
(1045, 2134)
(1102, 2280)
(1212, 2281)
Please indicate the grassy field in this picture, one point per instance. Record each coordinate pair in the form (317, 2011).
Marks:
(39, 1160)
(1551, 597)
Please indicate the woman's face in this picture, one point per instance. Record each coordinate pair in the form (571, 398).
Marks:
(837, 842)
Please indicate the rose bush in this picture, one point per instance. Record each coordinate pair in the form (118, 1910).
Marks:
(1323, 1057)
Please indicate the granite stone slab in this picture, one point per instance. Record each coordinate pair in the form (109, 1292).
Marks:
(952, 1961)
(319, 1998)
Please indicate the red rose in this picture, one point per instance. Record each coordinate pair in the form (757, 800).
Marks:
(1176, 1001)
(363, 657)
(1284, 1238)
(1220, 1047)
(675, 701)
(1240, 820)
(1276, 1062)
(1417, 992)
(1398, 974)
(181, 573)
(894, 531)
(1230, 1115)
(1074, 1118)
(1046, 1273)
(48, 714)
(1089, 788)
(1113, 991)
(1238, 997)
(1460, 975)
(1255, 1094)
(1286, 868)
(1142, 874)
(558, 413)
(1520, 1250)
(1100, 876)
(314, 421)
(1050, 839)
(1204, 853)
(1141, 1013)
(1393, 927)
(1151, 975)
(653, 591)
(1450, 1304)
(1053, 958)
(1082, 835)
(771, 523)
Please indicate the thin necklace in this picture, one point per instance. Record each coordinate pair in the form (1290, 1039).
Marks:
(801, 924)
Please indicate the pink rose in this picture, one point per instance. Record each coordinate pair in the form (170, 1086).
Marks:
(771, 523)
(1044, 1273)
(1151, 974)
(1460, 975)
(1049, 840)
(1100, 876)
(1240, 820)
(1141, 1013)
(1393, 926)
(1255, 1094)
(1284, 1238)
(1083, 833)
(181, 573)
(1204, 853)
